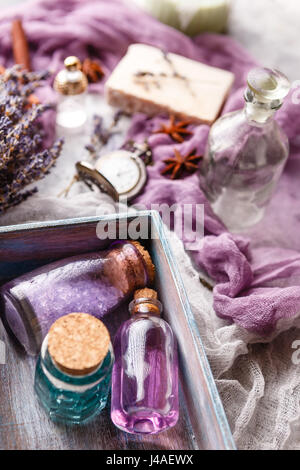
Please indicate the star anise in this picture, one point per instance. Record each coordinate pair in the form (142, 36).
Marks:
(175, 129)
(179, 162)
(92, 70)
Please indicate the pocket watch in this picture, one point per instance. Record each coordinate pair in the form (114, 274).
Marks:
(121, 174)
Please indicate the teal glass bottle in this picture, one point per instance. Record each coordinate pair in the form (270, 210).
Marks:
(73, 397)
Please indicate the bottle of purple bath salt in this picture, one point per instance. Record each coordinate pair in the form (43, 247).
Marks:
(94, 283)
(144, 397)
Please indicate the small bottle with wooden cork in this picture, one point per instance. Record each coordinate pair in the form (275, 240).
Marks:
(145, 374)
(71, 85)
(73, 372)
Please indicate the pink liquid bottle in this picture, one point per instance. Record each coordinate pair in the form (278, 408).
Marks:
(145, 375)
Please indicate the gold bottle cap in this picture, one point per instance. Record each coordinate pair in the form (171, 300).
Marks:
(78, 343)
(71, 80)
(72, 63)
(147, 260)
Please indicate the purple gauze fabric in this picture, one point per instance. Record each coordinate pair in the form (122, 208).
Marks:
(253, 290)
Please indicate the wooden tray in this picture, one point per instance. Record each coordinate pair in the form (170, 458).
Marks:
(24, 425)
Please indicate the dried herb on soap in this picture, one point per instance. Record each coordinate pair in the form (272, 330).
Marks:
(175, 73)
(149, 79)
(177, 164)
(23, 160)
(176, 130)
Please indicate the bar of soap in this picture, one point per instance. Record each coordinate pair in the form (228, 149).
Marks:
(150, 81)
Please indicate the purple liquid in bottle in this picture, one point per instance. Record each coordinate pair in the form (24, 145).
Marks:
(145, 374)
(94, 283)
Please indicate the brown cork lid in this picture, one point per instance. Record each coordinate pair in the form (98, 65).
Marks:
(145, 294)
(152, 306)
(147, 260)
(78, 343)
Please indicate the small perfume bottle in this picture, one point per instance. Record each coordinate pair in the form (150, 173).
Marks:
(95, 283)
(71, 85)
(246, 153)
(145, 375)
(73, 372)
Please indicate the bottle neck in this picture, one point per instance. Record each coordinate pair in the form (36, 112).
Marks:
(145, 306)
(125, 268)
(259, 112)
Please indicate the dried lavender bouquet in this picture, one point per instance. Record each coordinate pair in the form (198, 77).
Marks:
(23, 159)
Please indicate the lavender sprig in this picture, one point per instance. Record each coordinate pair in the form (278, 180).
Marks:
(101, 134)
(99, 137)
(22, 157)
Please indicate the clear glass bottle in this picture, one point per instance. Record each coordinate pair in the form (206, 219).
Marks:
(71, 85)
(73, 371)
(246, 153)
(145, 374)
(95, 283)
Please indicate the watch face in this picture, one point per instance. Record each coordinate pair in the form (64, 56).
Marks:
(124, 171)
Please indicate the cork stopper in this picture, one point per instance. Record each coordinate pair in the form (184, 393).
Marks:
(145, 301)
(145, 294)
(78, 343)
(147, 260)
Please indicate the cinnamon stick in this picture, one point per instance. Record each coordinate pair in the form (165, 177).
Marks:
(20, 45)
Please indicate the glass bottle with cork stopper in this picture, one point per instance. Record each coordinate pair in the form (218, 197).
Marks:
(73, 372)
(71, 85)
(145, 374)
(246, 153)
(95, 283)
